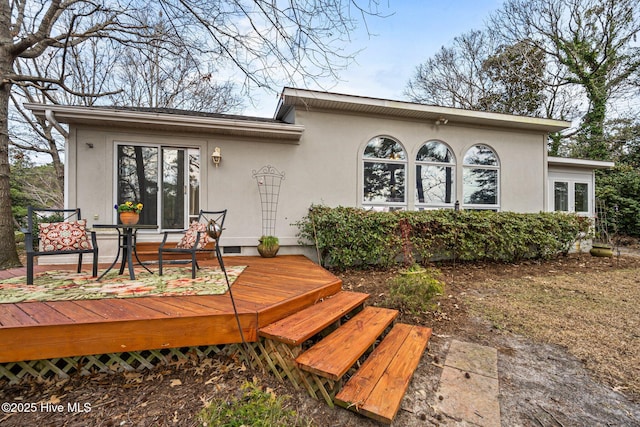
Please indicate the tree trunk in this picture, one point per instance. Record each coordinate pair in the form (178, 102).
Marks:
(554, 144)
(591, 140)
(8, 251)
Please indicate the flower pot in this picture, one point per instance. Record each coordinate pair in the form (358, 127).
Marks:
(268, 251)
(600, 250)
(129, 218)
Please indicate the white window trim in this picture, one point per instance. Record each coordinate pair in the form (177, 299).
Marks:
(492, 207)
(453, 165)
(571, 182)
(385, 206)
(159, 146)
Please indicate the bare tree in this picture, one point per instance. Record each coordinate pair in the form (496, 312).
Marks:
(102, 72)
(265, 41)
(478, 73)
(455, 75)
(143, 75)
(166, 73)
(591, 42)
(517, 74)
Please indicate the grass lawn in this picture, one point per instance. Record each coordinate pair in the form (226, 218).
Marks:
(595, 316)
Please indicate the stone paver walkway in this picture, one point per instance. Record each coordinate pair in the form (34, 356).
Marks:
(468, 393)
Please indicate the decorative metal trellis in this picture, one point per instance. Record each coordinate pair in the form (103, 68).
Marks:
(601, 224)
(269, 180)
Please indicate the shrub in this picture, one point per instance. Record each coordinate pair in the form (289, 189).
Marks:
(254, 407)
(619, 189)
(351, 237)
(412, 292)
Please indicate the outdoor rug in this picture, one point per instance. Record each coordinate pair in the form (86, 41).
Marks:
(58, 285)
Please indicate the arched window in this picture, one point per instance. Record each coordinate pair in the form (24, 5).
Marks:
(481, 178)
(435, 175)
(384, 169)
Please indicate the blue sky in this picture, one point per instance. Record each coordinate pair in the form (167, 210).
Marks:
(416, 30)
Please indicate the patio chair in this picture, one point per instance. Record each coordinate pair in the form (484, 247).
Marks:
(196, 239)
(58, 232)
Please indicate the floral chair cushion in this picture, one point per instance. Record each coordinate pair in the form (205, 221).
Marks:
(63, 236)
(189, 238)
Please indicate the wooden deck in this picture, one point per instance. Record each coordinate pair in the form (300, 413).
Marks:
(268, 290)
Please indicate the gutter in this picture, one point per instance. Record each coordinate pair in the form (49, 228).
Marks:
(279, 132)
(584, 163)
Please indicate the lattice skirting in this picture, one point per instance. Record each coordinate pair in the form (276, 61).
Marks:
(273, 356)
(16, 372)
(279, 359)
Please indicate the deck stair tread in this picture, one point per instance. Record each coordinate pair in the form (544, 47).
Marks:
(299, 327)
(335, 354)
(377, 388)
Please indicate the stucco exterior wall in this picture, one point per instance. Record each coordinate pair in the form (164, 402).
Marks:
(325, 167)
(336, 142)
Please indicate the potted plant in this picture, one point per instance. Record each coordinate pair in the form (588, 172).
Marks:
(601, 250)
(268, 246)
(129, 212)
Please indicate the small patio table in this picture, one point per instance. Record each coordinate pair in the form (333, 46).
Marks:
(126, 243)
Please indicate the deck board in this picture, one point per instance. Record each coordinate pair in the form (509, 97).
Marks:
(75, 311)
(12, 316)
(115, 309)
(304, 324)
(193, 306)
(43, 314)
(267, 290)
(335, 354)
(384, 401)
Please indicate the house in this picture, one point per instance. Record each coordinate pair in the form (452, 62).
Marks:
(320, 148)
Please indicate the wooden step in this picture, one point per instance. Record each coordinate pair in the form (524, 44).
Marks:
(334, 355)
(299, 327)
(378, 387)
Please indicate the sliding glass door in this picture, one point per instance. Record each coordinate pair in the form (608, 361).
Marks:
(165, 179)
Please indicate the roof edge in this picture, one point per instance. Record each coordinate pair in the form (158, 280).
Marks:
(311, 98)
(569, 161)
(109, 116)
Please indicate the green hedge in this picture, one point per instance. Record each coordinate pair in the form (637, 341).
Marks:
(350, 237)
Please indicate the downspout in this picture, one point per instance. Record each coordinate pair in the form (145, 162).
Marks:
(546, 189)
(51, 118)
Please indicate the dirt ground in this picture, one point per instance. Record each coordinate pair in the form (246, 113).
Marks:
(543, 380)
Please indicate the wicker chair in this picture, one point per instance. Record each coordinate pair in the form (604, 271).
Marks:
(195, 240)
(58, 232)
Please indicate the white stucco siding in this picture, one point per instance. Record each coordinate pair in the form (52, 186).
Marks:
(232, 186)
(324, 168)
(332, 146)
(573, 175)
(522, 170)
(93, 174)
